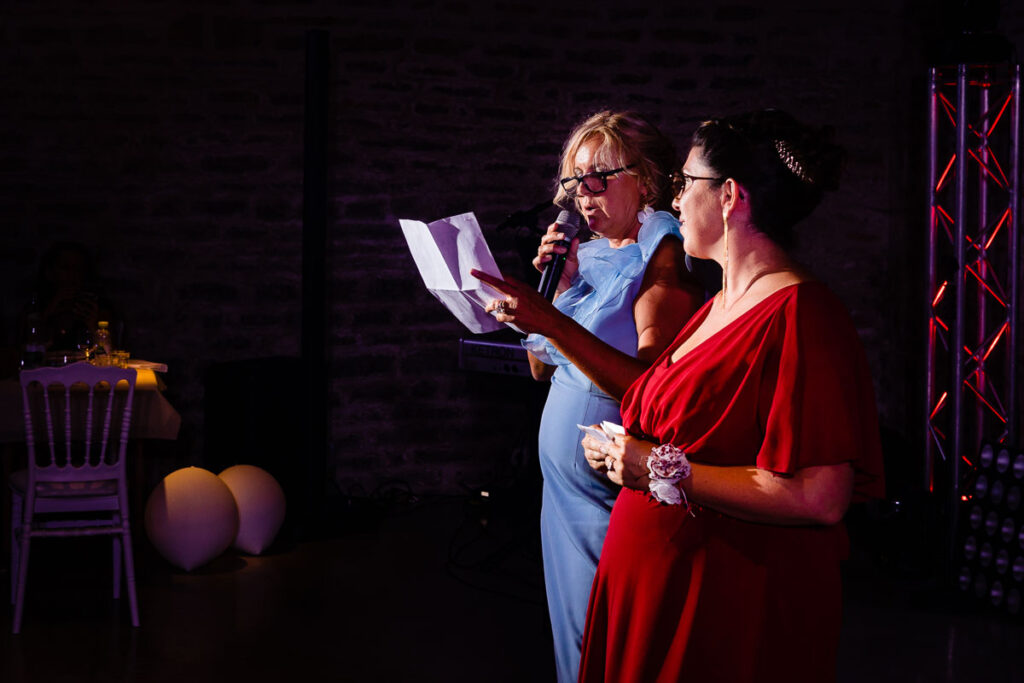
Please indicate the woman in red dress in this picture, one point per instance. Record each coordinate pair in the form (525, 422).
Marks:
(726, 567)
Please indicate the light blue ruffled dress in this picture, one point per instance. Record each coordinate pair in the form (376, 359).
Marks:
(577, 501)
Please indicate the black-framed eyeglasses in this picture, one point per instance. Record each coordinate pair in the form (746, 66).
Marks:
(596, 182)
(682, 181)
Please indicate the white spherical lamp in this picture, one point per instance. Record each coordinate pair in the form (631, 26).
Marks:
(261, 506)
(191, 517)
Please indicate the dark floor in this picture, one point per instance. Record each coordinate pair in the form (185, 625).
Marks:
(440, 590)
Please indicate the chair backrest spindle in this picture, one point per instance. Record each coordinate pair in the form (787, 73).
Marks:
(88, 417)
(67, 424)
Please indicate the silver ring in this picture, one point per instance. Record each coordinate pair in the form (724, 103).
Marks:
(503, 307)
(609, 462)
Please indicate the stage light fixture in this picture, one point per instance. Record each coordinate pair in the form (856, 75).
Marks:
(985, 456)
(1018, 569)
(1013, 498)
(1006, 532)
(995, 491)
(1018, 466)
(1003, 461)
(1013, 601)
(991, 550)
(1002, 561)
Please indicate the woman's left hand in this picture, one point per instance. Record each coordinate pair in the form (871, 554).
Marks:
(624, 458)
(522, 305)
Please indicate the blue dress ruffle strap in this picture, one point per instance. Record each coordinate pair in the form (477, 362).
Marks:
(603, 274)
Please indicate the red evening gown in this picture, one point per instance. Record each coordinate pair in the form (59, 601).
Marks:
(708, 597)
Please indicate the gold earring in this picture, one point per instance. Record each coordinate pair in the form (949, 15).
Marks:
(725, 259)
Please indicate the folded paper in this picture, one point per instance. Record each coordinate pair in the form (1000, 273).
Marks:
(445, 251)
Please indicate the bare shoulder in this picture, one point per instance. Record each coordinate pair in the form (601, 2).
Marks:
(778, 277)
(668, 266)
(773, 282)
(668, 254)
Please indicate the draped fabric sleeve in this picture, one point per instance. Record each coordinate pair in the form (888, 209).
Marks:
(607, 277)
(819, 408)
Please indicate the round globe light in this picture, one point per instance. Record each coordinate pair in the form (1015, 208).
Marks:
(261, 506)
(191, 517)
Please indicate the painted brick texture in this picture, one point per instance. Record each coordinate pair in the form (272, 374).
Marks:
(168, 137)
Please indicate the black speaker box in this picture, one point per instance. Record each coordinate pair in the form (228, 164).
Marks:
(255, 415)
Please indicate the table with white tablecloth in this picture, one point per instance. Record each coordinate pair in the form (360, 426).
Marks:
(153, 417)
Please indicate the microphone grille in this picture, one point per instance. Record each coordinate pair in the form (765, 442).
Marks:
(570, 222)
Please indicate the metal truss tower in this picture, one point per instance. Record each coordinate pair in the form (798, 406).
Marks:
(973, 270)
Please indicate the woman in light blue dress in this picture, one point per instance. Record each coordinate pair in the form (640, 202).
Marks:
(621, 300)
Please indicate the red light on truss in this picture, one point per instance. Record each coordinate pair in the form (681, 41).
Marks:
(987, 404)
(995, 122)
(942, 178)
(995, 231)
(985, 285)
(939, 294)
(946, 221)
(938, 406)
(986, 169)
(944, 213)
(995, 162)
(948, 108)
(995, 340)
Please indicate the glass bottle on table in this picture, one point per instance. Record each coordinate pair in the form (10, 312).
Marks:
(101, 343)
(102, 337)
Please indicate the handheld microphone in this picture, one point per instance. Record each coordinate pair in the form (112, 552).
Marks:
(569, 222)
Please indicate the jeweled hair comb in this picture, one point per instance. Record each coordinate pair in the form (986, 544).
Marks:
(789, 158)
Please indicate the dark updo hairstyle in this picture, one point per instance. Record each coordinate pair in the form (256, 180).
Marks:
(784, 165)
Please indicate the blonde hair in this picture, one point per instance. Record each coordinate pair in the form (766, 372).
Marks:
(626, 138)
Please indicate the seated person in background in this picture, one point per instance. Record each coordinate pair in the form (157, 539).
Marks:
(68, 299)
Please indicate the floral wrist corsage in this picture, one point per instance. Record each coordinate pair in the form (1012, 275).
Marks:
(667, 466)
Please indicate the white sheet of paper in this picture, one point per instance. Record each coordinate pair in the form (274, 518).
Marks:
(594, 432)
(611, 428)
(445, 251)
